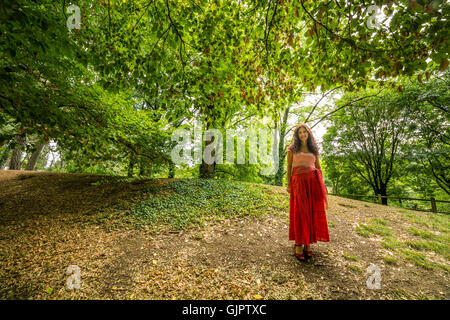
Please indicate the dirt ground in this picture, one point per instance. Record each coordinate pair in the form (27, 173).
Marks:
(49, 221)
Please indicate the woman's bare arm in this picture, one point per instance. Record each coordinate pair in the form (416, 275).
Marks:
(317, 164)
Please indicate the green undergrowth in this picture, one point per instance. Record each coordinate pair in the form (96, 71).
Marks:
(189, 202)
(116, 179)
(375, 226)
(436, 221)
(427, 235)
(350, 257)
(390, 260)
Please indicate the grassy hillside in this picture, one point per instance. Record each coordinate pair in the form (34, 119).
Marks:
(204, 239)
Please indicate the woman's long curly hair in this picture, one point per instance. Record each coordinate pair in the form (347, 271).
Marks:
(310, 142)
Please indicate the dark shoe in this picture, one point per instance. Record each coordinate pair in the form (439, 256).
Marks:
(309, 253)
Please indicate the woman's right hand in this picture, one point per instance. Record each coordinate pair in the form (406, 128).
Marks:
(288, 189)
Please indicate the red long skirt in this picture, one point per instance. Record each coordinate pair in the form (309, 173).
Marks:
(308, 202)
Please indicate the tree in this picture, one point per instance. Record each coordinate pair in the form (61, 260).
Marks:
(427, 105)
(208, 59)
(35, 156)
(370, 134)
(16, 157)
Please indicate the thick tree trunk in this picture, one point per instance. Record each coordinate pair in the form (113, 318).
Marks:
(17, 153)
(34, 157)
(207, 170)
(383, 192)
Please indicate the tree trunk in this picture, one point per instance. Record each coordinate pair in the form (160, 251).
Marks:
(78, 167)
(141, 168)
(383, 193)
(281, 152)
(61, 163)
(148, 170)
(207, 170)
(34, 157)
(334, 187)
(171, 169)
(131, 165)
(17, 153)
(145, 168)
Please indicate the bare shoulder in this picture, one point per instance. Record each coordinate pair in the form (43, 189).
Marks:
(290, 154)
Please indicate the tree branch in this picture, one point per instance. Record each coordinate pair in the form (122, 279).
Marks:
(345, 105)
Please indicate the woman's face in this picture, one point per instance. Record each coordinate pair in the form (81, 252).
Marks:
(303, 134)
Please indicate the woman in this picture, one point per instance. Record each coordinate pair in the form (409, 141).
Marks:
(308, 195)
